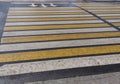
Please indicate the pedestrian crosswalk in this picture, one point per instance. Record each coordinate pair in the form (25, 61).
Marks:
(38, 33)
(105, 9)
(27, 39)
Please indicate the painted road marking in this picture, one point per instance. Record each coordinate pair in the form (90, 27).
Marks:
(64, 26)
(54, 16)
(57, 44)
(38, 10)
(57, 19)
(114, 20)
(102, 8)
(97, 5)
(28, 67)
(23, 51)
(44, 9)
(59, 37)
(60, 31)
(117, 24)
(111, 17)
(58, 53)
(78, 36)
(42, 13)
(51, 16)
(106, 12)
(49, 19)
(100, 5)
(27, 11)
(55, 22)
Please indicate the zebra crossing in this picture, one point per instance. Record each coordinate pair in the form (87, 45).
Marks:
(106, 9)
(38, 39)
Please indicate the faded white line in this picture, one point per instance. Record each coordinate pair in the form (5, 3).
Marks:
(52, 22)
(46, 11)
(102, 7)
(60, 31)
(114, 20)
(61, 16)
(108, 14)
(106, 10)
(50, 8)
(53, 16)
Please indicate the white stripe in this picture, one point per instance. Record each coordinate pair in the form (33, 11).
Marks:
(49, 65)
(61, 16)
(48, 16)
(105, 10)
(103, 7)
(52, 22)
(115, 20)
(41, 32)
(46, 11)
(97, 4)
(44, 45)
(51, 8)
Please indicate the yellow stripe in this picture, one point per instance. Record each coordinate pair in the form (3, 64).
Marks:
(44, 9)
(58, 37)
(117, 24)
(21, 56)
(49, 19)
(55, 26)
(58, 19)
(107, 12)
(100, 8)
(42, 13)
(111, 17)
